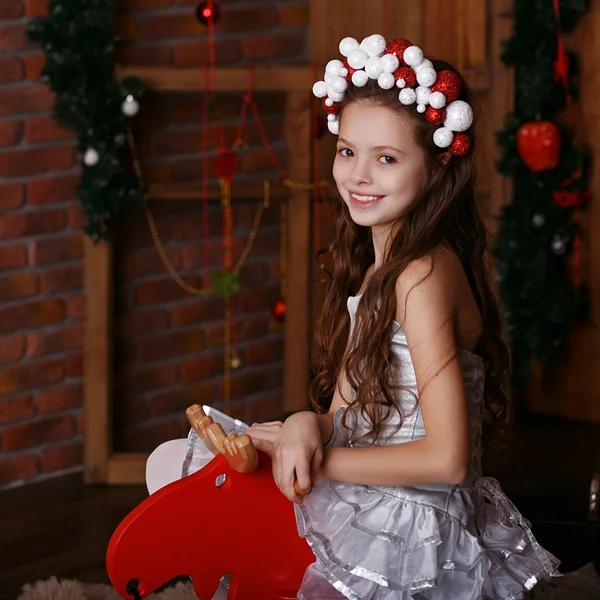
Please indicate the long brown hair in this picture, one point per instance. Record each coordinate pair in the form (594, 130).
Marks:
(446, 214)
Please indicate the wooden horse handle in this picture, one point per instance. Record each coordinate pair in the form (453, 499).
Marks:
(239, 450)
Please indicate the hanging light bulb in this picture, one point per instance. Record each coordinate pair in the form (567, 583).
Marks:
(208, 11)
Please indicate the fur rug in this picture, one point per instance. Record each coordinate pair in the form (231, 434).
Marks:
(65, 589)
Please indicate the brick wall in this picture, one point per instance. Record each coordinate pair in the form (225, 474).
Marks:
(168, 349)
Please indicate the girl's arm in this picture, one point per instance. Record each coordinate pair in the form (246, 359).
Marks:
(427, 307)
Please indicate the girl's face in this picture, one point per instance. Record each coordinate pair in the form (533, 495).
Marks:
(379, 168)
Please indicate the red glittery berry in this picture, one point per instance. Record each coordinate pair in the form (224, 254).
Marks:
(448, 83)
(461, 144)
(351, 71)
(409, 76)
(331, 110)
(397, 47)
(436, 116)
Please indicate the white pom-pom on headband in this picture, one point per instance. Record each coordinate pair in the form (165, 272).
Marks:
(399, 63)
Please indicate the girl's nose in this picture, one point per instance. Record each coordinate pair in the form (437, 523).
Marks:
(361, 173)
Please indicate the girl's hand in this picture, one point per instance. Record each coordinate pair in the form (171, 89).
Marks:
(264, 435)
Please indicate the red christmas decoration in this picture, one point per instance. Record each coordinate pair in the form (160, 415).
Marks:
(461, 145)
(436, 116)
(208, 11)
(226, 165)
(409, 76)
(538, 144)
(350, 70)
(448, 83)
(331, 110)
(397, 47)
(569, 198)
(278, 310)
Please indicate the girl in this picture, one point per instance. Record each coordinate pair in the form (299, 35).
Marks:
(413, 362)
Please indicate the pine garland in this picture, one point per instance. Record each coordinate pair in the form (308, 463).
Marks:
(78, 42)
(538, 234)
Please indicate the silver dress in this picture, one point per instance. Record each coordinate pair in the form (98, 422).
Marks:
(435, 542)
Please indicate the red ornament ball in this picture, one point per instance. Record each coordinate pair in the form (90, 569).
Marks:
(409, 76)
(538, 145)
(448, 83)
(461, 145)
(331, 110)
(397, 47)
(278, 310)
(206, 13)
(351, 71)
(436, 116)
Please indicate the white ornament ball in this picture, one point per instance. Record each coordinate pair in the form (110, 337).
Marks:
(327, 78)
(347, 45)
(333, 95)
(401, 83)
(336, 68)
(426, 76)
(334, 126)
(328, 102)
(437, 100)
(360, 78)
(91, 157)
(386, 81)
(459, 116)
(558, 245)
(389, 63)
(339, 85)
(407, 96)
(320, 89)
(538, 220)
(130, 106)
(357, 59)
(332, 117)
(373, 67)
(423, 95)
(375, 44)
(413, 56)
(425, 63)
(421, 108)
(443, 137)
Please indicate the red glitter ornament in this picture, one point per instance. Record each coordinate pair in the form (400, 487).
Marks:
(435, 116)
(397, 47)
(448, 83)
(461, 144)
(538, 145)
(278, 310)
(409, 76)
(331, 110)
(351, 71)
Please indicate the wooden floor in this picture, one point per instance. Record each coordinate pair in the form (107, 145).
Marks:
(62, 527)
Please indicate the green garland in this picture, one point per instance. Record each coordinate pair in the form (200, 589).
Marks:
(534, 243)
(78, 41)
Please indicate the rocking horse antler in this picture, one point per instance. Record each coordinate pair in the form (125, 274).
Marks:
(238, 450)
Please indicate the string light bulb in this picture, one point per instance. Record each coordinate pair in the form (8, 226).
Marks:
(207, 12)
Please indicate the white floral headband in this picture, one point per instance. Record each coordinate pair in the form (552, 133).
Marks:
(399, 63)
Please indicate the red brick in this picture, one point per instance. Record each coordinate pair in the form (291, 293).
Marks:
(176, 402)
(142, 321)
(52, 189)
(145, 4)
(12, 37)
(173, 141)
(259, 159)
(171, 26)
(32, 161)
(11, 9)
(267, 407)
(61, 457)
(148, 378)
(11, 69)
(253, 327)
(264, 351)
(29, 315)
(62, 279)
(23, 224)
(234, 20)
(12, 256)
(128, 412)
(245, 382)
(146, 55)
(141, 264)
(66, 337)
(16, 286)
(198, 311)
(60, 398)
(31, 375)
(17, 408)
(18, 468)
(80, 422)
(46, 129)
(12, 347)
(170, 345)
(75, 217)
(294, 15)
(49, 250)
(11, 196)
(24, 100)
(192, 257)
(202, 367)
(253, 272)
(34, 63)
(147, 437)
(74, 365)
(36, 8)
(254, 300)
(188, 54)
(36, 433)
(128, 28)
(11, 132)
(273, 45)
(75, 307)
(158, 291)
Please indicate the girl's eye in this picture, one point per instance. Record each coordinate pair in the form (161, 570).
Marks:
(387, 160)
(345, 152)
